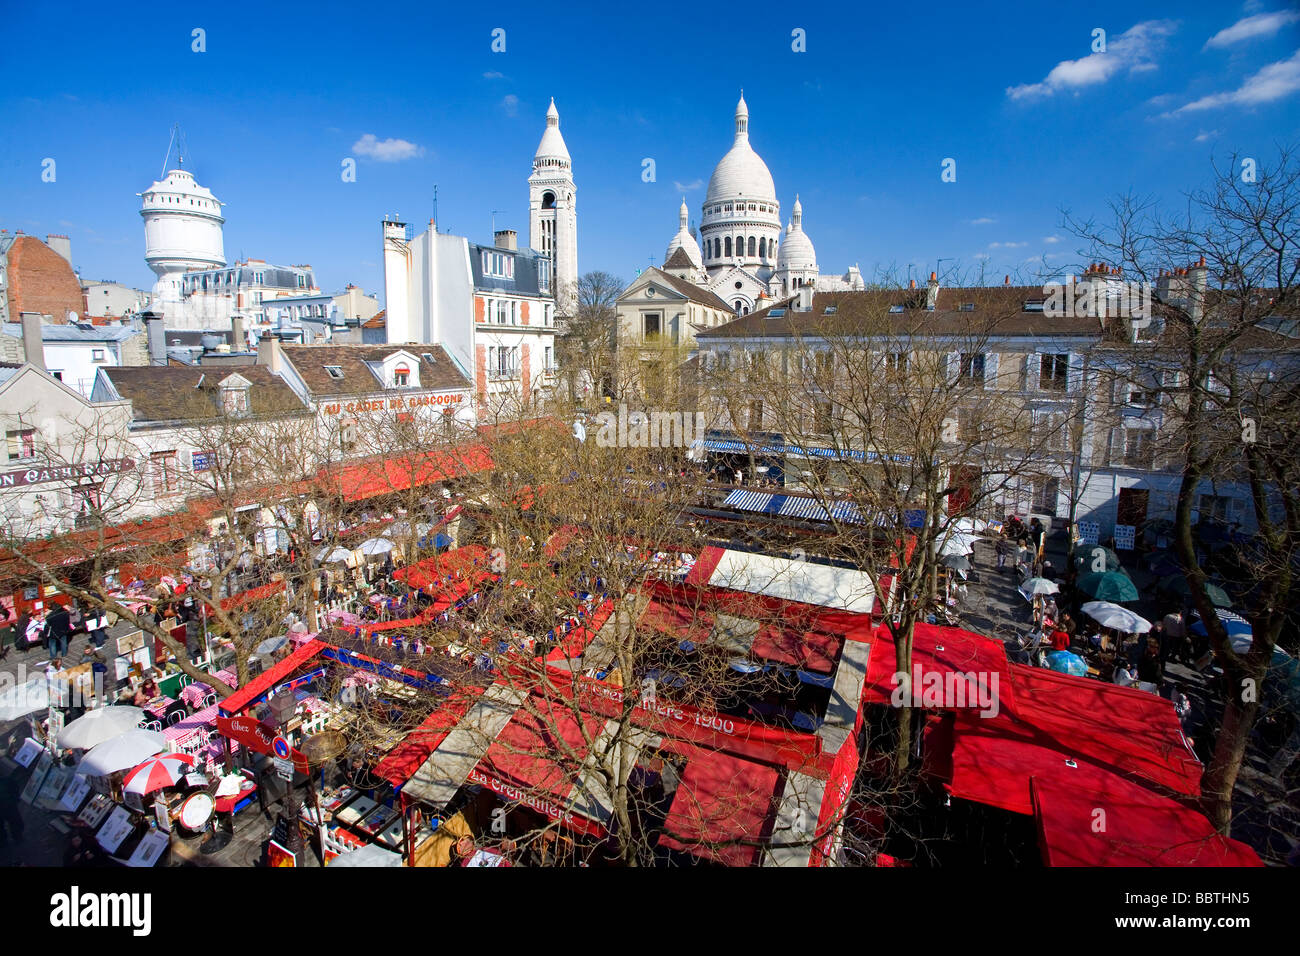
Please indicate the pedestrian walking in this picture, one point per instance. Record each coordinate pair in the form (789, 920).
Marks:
(58, 628)
(1003, 549)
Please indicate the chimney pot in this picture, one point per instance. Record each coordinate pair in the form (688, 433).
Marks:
(911, 284)
(1006, 280)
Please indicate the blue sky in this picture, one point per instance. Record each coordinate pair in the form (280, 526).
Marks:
(858, 125)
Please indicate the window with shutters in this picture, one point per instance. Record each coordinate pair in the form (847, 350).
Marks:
(22, 443)
(1053, 372)
(1046, 495)
(1139, 447)
(822, 416)
(164, 470)
(972, 368)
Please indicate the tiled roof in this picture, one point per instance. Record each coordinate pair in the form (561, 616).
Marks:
(688, 289)
(377, 321)
(163, 393)
(311, 362)
(679, 260)
(997, 311)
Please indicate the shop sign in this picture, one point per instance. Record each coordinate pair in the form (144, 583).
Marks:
(254, 734)
(37, 476)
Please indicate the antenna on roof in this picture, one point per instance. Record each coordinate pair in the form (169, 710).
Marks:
(435, 207)
(182, 149)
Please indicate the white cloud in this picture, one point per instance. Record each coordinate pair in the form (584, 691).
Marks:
(1260, 25)
(386, 150)
(510, 103)
(1204, 136)
(493, 75)
(688, 187)
(1007, 245)
(982, 221)
(1051, 239)
(1133, 50)
(1271, 83)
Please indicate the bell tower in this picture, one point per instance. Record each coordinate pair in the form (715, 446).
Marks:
(553, 210)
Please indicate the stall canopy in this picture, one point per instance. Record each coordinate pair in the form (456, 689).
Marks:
(723, 809)
(1126, 733)
(392, 475)
(259, 686)
(470, 561)
(803, 581)
(968, 669)
(1142, 828)
(408, 756)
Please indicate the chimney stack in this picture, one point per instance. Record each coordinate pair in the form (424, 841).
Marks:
(33, 344)
(1006, 280)
(932, 292)
(507, 239)
(62, 245)
(238, 333)
(268, 353)
(156, 337)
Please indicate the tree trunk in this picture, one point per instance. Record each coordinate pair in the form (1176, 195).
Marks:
(1229, 751)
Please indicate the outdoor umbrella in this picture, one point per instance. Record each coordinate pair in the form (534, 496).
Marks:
(157, 773)
(1087, 559)
(403, 527)
(99, 725)
(1234, 624)
(958, 562)
(958, 544)
(972, 525)
(121, 753)
(1116, 617)
(24, 699)
(1036, 586)
(333, 556)
(1066, 662)
(375, 546)
(1108, 586)
(270, 646)
(1177, 584)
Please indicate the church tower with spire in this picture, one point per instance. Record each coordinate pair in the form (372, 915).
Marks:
(553, 210)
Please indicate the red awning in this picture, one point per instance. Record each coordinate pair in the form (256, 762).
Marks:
(812, 650)
(437, 569)
(678, 621)
(723, 809)
(542, 752)
(399, 474)
(947, 653)
(263, 682)
(248, 597)
(1126, 730)
(1141, 828)
(408, 756)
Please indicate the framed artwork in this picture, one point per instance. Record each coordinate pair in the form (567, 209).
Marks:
(93, 813)
(276, 855)
(73, 795)
(150, 849)
(115, 829)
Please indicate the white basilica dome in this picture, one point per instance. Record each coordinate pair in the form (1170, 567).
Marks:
(796, 253)
(741, 172)
(684, 239)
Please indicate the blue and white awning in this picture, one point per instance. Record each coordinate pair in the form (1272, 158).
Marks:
(732, 447)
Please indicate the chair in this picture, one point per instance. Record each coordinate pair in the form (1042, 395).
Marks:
(174, 717)
(210, 700)
(154, 725)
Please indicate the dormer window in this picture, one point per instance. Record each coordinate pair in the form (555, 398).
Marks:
(401, 375)
(335, 371)
(234, 399)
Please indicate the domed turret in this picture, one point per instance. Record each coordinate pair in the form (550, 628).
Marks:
(552, 151)
(797, 253)
(741, 223)
(182, 231)
(684, 240)
(741, 172)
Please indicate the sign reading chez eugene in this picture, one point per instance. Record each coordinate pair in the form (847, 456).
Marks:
(380, 404)
(256, 735)
(36, 476)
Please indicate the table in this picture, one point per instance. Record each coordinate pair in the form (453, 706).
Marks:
(355, 811)
(194, 694)
(182, 733)
(157, 707)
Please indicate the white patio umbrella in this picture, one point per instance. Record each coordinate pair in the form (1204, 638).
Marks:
(958, 543)
(333, 556)
(971, 525)
(24, 699)
(121, 753)
(403, 527)
(1116, 617)
(270, 646)
(1037, 586)
(374, 546)
(99, 725)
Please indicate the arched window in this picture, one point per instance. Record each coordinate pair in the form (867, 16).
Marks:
(739, 306)
(762, 247)
(727, 245)
(753, 247)
(548, 200)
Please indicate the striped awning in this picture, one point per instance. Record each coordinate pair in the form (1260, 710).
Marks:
(792, 506)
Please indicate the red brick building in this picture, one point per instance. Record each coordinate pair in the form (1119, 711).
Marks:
(36, 278)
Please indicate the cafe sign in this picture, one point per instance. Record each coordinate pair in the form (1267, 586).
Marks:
(399, 404)
(255, 735)
(38, 476)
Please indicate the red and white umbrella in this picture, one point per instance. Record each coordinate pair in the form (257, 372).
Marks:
(157, 772)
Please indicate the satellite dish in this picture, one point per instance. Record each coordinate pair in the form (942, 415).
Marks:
(72, 317)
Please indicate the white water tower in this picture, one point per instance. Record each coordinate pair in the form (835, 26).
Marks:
(182, 230)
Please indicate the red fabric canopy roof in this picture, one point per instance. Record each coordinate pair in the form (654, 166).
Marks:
(963, 652)
(543, 751)
(263, 682)
(1139, 828)
(678, 621)
(813, 650)
(722, 799)
(408, 756)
